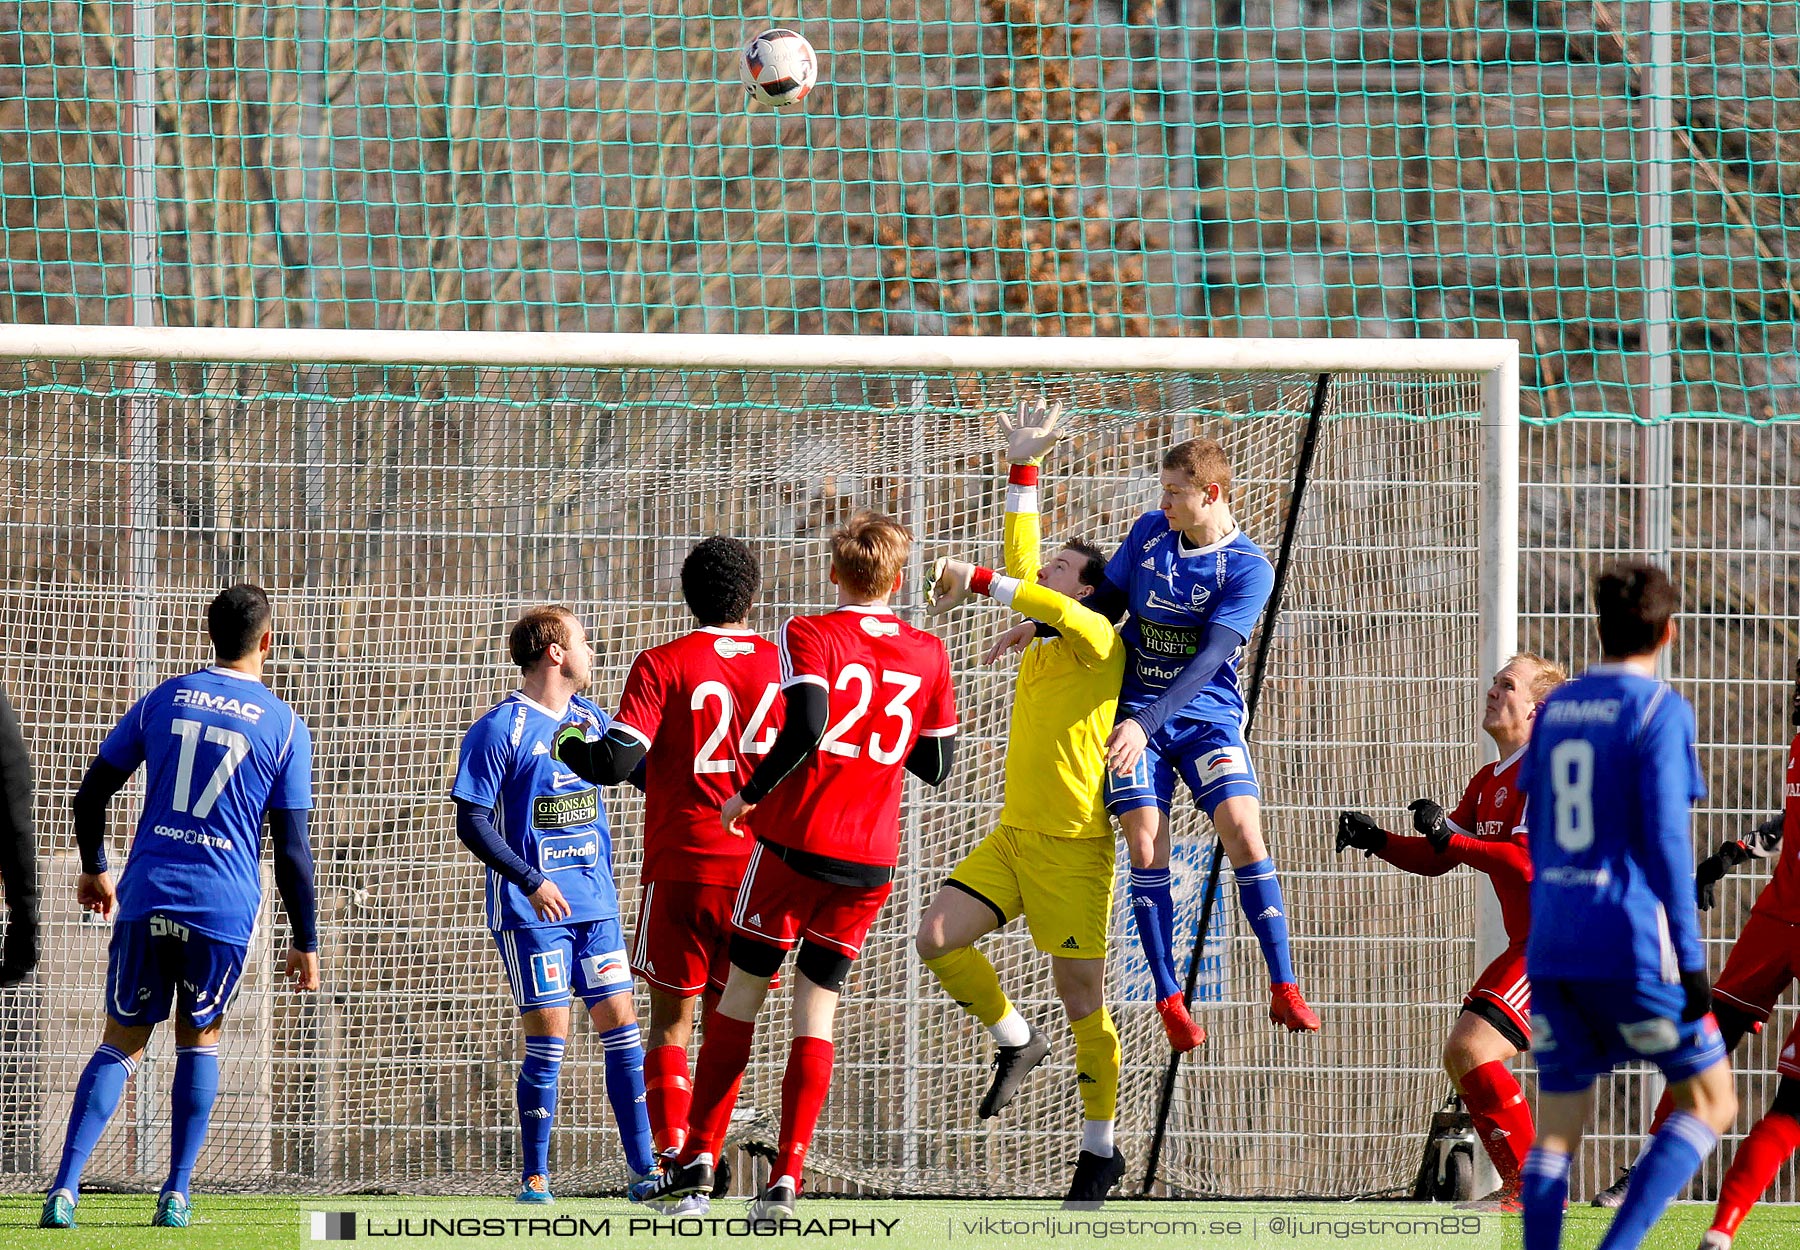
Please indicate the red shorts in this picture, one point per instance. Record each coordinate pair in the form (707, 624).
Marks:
(683, 936)
(1764, 961)
(780, 906)
(1502, 984)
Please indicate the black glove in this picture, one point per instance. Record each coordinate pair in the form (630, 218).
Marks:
(1696, 988)
(20, 953)
(1765, 838)
(1428, 819)
(1356, 829)
(1710, 870)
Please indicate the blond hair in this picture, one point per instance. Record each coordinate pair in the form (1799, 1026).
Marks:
(1547, 675)
(868, 551)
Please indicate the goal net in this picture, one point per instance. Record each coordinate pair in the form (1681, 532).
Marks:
(402, 500)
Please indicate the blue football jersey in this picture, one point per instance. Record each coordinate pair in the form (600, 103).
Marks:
(221, 749)
(1610, 776)
(550, 818)
(1175, 592)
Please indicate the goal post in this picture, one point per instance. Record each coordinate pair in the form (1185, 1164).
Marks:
(404, 494)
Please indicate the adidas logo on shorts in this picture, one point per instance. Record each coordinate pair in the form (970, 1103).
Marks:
(1070, 944)
(1082, 1078)
(756, 919)
(1270, 912)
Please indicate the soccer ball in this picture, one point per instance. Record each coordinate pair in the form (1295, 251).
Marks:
(779, 68)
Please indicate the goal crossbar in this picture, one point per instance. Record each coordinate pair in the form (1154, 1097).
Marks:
(924, 353)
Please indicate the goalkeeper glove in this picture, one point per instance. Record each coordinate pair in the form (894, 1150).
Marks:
(1356, 829)
(19, 955)
(949, 585)
(1428, 819)
(1696, 991)
(1031, 429)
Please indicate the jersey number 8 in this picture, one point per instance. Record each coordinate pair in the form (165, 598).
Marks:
(1572, 784)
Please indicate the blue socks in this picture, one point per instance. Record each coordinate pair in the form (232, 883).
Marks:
(625, 1091)
(97, 1096)
(1543, 1193)
(1663, 1171)
(1153, 908)
(191, 1097)
(537, 1100)
(1259, 894)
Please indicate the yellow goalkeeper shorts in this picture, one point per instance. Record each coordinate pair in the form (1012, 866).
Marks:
(1063, 886)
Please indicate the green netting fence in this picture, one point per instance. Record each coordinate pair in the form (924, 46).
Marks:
(1625, 204)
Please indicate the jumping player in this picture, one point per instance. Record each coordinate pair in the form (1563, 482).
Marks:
(1194, 587)
(1051, 857)
(697, 713)
(221, 752)
(1617, 973)
(1486, 832)
(866, 695)
(551, 904)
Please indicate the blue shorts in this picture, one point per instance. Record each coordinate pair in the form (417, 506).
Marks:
(154, 962)
(547, 963)
(1581, 1030)
(1212, 759)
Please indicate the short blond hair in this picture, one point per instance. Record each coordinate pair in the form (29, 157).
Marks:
(1203, 460)
(868, 551)
(1546, 675)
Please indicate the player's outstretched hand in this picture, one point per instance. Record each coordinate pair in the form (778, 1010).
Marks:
(1031, 429)
(1428, 819)
(949, 586)
(1013, 640)
(1711, 870)
(731, 816)
(94, 891)
(1356, 829)
(303, 969)
(1696, 992)
(1765, 838)
(548, 902)
(1124, 746)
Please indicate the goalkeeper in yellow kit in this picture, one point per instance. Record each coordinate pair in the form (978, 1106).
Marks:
(1051, 856)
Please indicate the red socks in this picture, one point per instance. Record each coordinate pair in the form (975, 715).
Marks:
(724, 1054)
(667, 1093)
(1501, 1117)
(1774, 1138)
(803, 1090)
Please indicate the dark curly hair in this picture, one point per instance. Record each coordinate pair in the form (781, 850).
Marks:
(719, 578)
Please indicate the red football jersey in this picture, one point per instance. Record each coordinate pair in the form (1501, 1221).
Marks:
(707, 706)
(889, 685)
(1491, 817)
(1780, 899)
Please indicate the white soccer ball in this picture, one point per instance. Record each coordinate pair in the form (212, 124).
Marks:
(779, 68)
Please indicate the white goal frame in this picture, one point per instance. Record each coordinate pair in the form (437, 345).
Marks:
(1494, 363)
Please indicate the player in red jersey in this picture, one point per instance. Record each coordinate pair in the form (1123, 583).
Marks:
(698, 713)
(1764, 961)
(865, 695)
(1485, 831)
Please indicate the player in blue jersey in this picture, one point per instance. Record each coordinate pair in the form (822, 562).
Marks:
(551, 905)
(1194, 587)
(221, 751)
(1617, 973)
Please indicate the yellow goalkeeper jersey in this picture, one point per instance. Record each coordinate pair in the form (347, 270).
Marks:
(1063, 704)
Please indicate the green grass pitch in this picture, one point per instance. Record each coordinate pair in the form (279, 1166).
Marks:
(120, 1222)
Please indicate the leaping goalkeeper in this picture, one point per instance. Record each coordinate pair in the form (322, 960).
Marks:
(1050, 858)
